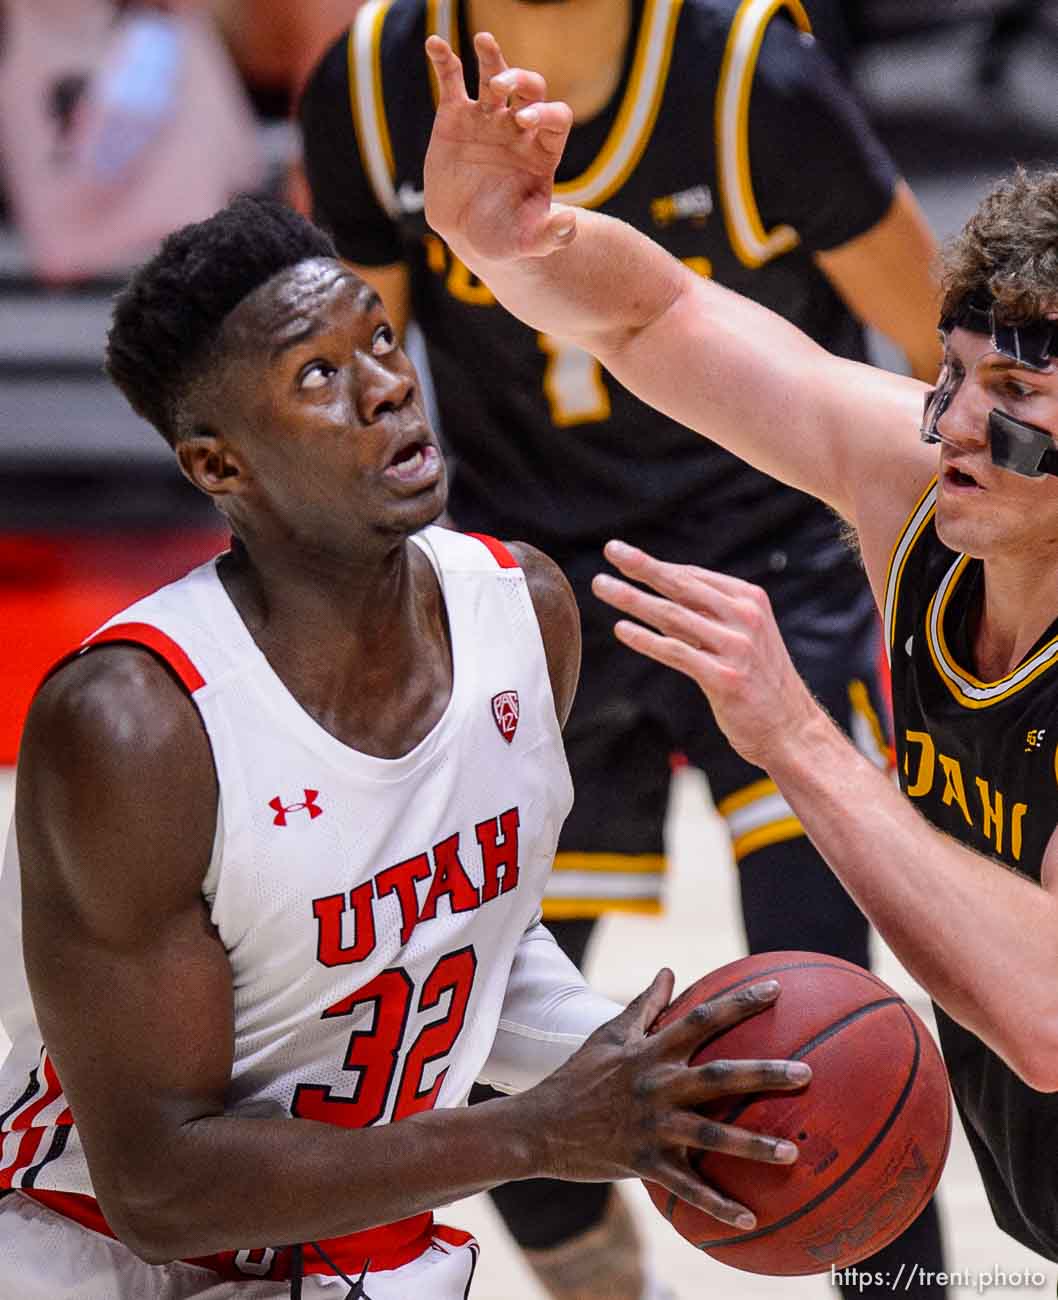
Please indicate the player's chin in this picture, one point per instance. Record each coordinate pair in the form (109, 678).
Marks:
(966, 533)
(411, 511)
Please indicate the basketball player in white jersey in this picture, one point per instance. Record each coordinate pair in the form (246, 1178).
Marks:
(282, 832)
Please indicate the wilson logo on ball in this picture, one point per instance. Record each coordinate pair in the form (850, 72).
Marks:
(505, 713)
(308, 804)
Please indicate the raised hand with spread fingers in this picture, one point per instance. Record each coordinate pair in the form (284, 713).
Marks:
(491, 162)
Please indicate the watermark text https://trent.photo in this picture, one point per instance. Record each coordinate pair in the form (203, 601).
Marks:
(909, 1278)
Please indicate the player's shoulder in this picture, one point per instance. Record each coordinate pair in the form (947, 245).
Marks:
(112, 731)
(559, 619)
(553, 601)
(117, 698)
(543, 577)
(117, 790)
(773, 41)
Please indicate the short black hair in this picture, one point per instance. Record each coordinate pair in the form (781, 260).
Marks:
(170, 313)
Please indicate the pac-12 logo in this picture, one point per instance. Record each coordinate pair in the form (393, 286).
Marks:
(505, 713)
(308, 804)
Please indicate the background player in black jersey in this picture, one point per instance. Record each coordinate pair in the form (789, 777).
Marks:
(960, 547)
(721, 129)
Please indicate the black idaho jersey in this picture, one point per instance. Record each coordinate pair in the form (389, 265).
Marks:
(731, 140)
(980, 760)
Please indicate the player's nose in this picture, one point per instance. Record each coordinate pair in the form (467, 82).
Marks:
(383, 387)
(964, 423)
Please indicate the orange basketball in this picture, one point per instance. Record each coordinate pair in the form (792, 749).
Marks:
(872, 1127)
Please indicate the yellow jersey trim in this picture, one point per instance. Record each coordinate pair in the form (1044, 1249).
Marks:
(968, 690)
(632, 128)
(753, 245)
(588, 884)
(640, 863)
(368, 104)
(571, 909)
(747, 795)
(918, 519)
(778, 832)
(631, 131)
(757, 816)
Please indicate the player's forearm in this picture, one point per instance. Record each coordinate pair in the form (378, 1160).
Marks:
(980, 939)
(608, 284)
(708, 358)
(227, 1182)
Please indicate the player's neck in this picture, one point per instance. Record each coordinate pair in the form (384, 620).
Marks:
(1016, 609)
(363, 647)
(552, 39)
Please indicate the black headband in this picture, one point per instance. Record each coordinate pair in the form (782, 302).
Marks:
(1034, 343)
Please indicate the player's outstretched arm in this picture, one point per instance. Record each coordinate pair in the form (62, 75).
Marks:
(116, 808)
(707, 357)
(979, 938)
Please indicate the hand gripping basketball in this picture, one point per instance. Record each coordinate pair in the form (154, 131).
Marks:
(628, 1104)
(872, 1130)
(491, 161)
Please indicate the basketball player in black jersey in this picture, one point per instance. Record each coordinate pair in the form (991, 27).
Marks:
(721, 129)
(960, 544)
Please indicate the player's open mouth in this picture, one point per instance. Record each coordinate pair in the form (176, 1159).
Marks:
(959, 478)
(414, 464)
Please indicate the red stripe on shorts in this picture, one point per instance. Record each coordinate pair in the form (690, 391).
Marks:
(387, 1247)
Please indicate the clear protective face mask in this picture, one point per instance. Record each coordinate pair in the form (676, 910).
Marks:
(1022, 448)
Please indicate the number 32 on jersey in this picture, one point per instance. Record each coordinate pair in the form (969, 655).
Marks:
(373, 1054)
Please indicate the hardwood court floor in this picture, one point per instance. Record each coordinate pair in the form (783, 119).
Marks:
(701, 930)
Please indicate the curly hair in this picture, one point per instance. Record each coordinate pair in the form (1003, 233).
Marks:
(1008, 249)
(167, 319)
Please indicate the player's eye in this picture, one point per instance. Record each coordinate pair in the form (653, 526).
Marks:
(315, 374)
(383, 341)
(1012, 389)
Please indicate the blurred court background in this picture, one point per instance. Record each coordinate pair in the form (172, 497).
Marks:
(93, 513)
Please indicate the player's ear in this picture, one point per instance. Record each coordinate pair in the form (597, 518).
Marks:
(210, 463)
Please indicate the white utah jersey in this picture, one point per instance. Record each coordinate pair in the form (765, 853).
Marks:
(371, 908)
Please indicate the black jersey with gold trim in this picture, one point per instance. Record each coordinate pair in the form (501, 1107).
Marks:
(733, 142)
(980, 761)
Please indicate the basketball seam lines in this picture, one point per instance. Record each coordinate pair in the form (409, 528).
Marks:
(778, 970)
(852, 1169)
(802, 1051)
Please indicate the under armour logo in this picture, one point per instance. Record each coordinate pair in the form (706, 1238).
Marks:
(505, 713)
(308, 805)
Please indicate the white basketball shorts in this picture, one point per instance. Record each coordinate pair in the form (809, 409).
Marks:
(44, 1256)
